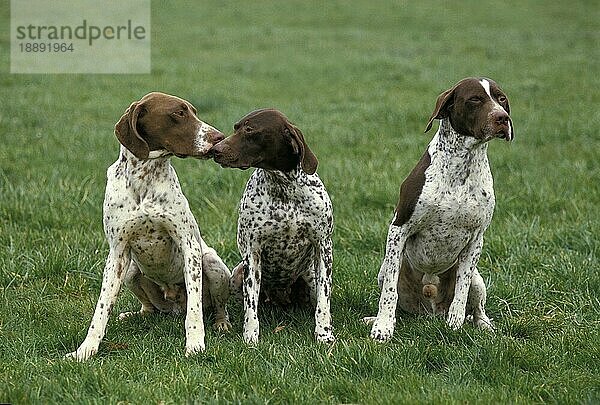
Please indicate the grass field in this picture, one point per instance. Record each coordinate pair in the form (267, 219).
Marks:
(360, 79)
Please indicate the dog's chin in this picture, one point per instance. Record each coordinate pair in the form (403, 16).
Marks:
(489, 134)
(229, 163)
(504, 134)
(226, 165)
(202, 155)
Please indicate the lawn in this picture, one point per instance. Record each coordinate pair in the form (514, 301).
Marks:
(360, 79)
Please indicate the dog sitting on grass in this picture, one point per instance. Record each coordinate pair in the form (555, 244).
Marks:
(446, 203)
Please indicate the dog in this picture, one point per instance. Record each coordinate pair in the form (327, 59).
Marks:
(285, 220)
(155, 244)
(446, 203)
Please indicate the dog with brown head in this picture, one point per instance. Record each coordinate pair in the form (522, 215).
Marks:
(166, 123)
(265, 139)
(285, 221)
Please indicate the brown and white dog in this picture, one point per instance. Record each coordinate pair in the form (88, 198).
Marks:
(446, 203)
(285, 222)
(154, 240)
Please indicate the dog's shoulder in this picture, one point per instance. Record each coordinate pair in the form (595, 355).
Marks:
(410, 191)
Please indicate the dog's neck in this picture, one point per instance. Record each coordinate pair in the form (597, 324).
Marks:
(286, 182)
(449, 141)
(137, 170)
(279, 176)
(458, 156)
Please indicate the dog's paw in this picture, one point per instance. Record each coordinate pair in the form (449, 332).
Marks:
(382, 331)
(194, 337)
(222, 325)
(194, 348)
(325, 335)
(124, 315)
(82, 353)
(484, 324)
(455, 319)
(251, 337)
(142, 312)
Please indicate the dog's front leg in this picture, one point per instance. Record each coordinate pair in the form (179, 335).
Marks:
(192, 272)
(383, 326)
(251, 289)
(114, 274)
(323, 267)
(467, 263)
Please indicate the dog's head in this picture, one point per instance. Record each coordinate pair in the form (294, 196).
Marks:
(265, 139)
(476, 107)
(165, 123)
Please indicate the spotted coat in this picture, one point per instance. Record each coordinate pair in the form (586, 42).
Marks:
(284, 236)
(435, 239)
(154, 241)
(285, 220)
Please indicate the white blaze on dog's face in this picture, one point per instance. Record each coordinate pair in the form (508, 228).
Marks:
(476, 107)
(498, 109)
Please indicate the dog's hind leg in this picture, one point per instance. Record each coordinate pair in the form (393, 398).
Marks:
(150, 295)
(218, 284)
(476, 302)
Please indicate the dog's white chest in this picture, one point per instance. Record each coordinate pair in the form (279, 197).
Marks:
(455, 205)
(146, 219)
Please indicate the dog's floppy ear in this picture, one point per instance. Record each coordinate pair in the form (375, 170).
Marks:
(308, 160)
(442, 106)
(126, 131)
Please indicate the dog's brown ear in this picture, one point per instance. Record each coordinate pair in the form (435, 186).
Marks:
(442, 107)
(308, 160)
(126, 131)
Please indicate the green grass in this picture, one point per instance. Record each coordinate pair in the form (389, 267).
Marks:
(360, 79)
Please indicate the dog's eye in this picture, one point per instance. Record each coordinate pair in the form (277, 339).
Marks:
(475, 99)
(502, 99)
(248, 129)
(180, 113)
